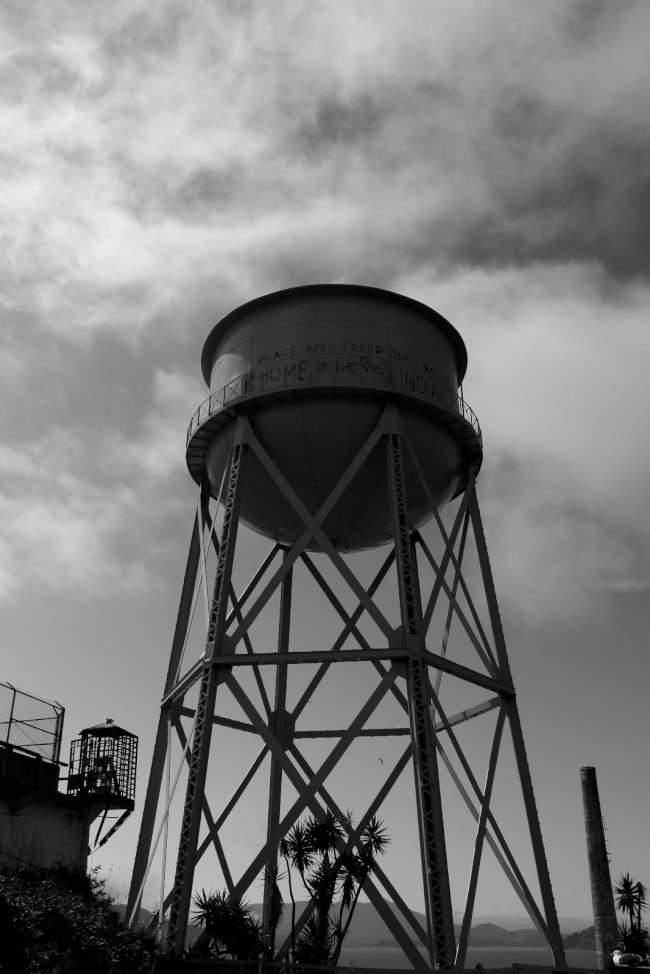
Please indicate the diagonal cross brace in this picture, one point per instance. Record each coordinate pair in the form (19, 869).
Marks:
(306, 792)
(313, 530)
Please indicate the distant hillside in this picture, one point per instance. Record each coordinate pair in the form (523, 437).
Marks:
(581, 940)
(369, 930)
(491, 935)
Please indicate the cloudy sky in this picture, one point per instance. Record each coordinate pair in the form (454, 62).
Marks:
(162, 163)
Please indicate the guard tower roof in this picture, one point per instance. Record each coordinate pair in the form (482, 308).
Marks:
(107, 729)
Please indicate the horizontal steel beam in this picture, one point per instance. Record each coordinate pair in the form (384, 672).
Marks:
(316, 656)
(440, 726)
(339, 656)
(467, 674)
(364, 732)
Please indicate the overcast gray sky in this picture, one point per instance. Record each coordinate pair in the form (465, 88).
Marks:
(162, 163)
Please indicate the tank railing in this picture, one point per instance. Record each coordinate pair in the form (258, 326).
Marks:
(469, 416)
(257, 380)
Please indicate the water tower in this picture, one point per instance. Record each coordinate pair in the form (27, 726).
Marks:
(334, 427)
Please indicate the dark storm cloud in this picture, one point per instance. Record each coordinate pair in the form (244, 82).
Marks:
(586, 197)
(337, 121)
(586, 21)
(553, 183)
(180, 145)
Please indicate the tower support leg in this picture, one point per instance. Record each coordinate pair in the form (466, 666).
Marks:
(200, 750)
(154, 787)
(439, 913)
(282, 731)
(512, 712)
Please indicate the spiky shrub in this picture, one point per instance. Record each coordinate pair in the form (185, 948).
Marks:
(230, 929)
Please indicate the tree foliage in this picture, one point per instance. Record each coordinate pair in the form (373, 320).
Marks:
(61, 921)
(631, 901)
(333, 860)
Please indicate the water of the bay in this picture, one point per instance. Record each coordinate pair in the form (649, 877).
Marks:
(392, 957)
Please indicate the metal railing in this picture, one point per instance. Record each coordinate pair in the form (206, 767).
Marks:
(30, 723)
(469, 416)
(316, 371)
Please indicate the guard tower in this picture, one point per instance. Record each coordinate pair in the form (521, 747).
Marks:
(335, 430)
(39, 825)
(102, 772)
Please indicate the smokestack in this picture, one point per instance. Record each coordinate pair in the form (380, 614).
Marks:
(602, 897)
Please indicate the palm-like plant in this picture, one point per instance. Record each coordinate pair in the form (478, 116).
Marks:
(295, 850)
(332, 859)
(641, 901)
(372, 843)
(274, 905)
(631, 901)
(625, 893)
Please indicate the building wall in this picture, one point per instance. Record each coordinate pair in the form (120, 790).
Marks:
(44, 831)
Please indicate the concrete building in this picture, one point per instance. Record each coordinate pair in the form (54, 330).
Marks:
(40, 825)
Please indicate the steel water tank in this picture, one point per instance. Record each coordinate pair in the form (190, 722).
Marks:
(313, 369)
